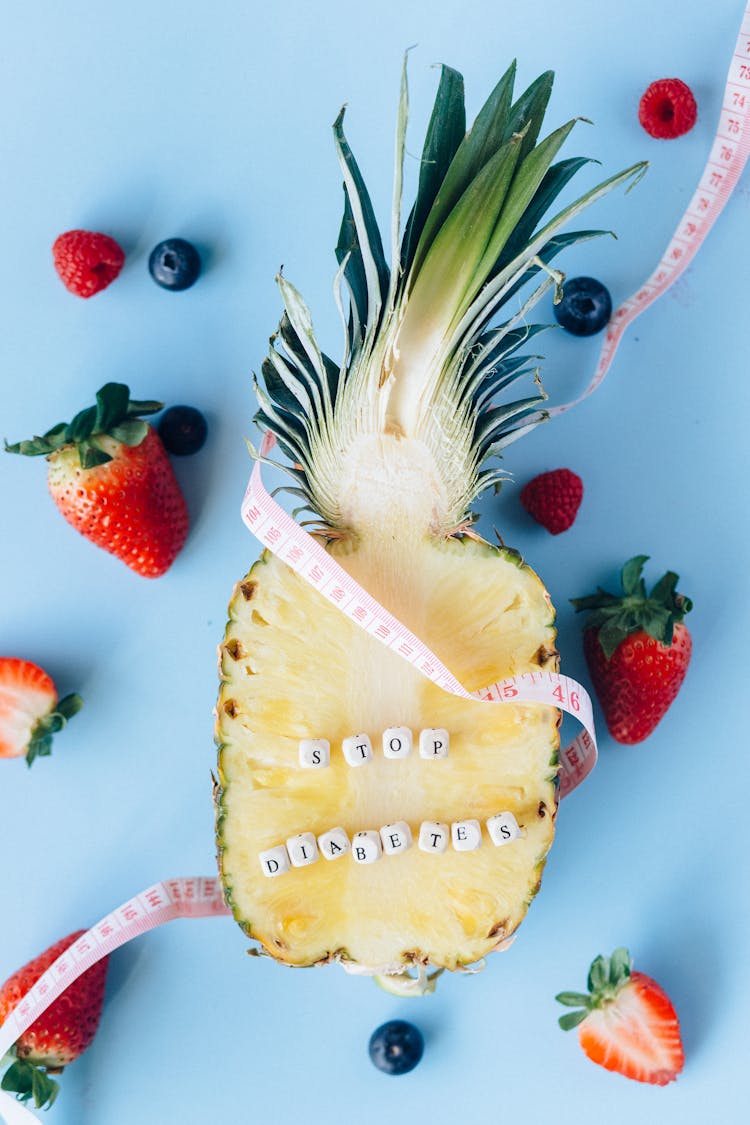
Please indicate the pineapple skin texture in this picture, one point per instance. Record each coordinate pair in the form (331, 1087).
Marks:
(293, 666)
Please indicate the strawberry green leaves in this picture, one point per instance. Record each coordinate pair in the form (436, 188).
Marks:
(40, 743)
(606, 978)
(615, 616)
(28, 1082)
(115, 415)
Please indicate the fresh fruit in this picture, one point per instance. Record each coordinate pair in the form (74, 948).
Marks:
(30, 711)
(174, 264)
(387, 449)
(585, 306)
(637, 649)
(62, 1032)
(667, 109)
(183, 430)
(396, 1047)
(112, 480)
(626, 1022)
(86, 261)
(553, 499)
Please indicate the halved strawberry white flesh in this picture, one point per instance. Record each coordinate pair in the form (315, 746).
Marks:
(627, 1023)
(30, 712)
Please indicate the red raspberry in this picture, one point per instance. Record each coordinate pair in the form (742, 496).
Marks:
(86, 261)
(667, 109)
(553, 499)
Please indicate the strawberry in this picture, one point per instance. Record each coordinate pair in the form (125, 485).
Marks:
(553, 499)
(637, 650)
(86, 261)
(111, 478)
(30, 711)
(626, 1022)
(62, 1032)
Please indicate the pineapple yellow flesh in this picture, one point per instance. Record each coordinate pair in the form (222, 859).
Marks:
(293, 667)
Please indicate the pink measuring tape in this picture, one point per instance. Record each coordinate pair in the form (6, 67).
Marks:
(202, 897)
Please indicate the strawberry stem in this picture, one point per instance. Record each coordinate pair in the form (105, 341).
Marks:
(615, 616)
(28, 1080)
(115, 415)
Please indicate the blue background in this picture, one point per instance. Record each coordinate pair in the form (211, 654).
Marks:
(213, 122)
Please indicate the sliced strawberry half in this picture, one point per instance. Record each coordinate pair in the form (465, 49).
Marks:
(626, 1022)
(30, 711)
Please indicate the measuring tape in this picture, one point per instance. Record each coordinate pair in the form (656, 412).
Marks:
(202, 897)
(164, 902)
(727, 159)
(293, 545)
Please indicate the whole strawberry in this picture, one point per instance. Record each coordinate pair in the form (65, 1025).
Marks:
(637, 649)
(626, 1022)
(553, 499)
(111, 478)
(62, 1032)
(30, 711)
(86, 261)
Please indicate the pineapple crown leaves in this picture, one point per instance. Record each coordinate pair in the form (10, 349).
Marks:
(40, 743)
(616, 616)
(423, 352)
(27, 1080)
(115, 414)
(607, 977)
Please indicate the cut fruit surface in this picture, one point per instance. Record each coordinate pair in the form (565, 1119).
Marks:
(390, 449)
(294, 667)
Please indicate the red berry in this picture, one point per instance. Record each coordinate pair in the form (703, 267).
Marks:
(553, 499)
(61, 1033)
(667, 109)
(86, 261)
(637, 649)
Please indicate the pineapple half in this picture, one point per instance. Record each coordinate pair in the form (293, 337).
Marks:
(388, 450)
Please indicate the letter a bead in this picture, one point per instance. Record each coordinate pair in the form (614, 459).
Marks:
(357, 749)
(314, 753)
(433, 743)
(397, 742)
(366, 847)
(503, 829)
(466, 835)
(303, 849)
(275, 861)
(334, 843)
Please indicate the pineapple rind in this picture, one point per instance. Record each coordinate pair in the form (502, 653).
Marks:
(281, 914)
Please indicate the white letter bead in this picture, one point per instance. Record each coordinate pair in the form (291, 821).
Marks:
(275, 861)
(334, 843)
(466, 834)
(314, 753)
(433, 743)
(302, 849)
(396, 837)
(397, 742)
(357, 749)
(366, 846)
(503, 828)
(433, 836)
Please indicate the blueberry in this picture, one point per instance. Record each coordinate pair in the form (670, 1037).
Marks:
(585, 308)
(174, 264)
(396, 1047)
(183, 430)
